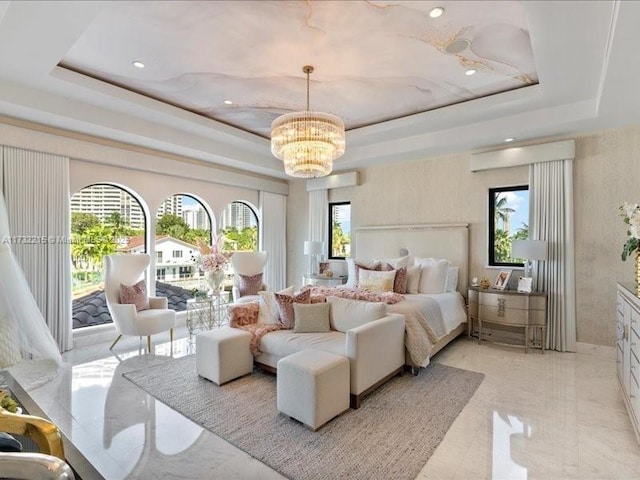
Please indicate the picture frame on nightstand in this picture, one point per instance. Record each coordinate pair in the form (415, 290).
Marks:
(502, 280)
(322, 268)
(525, 284)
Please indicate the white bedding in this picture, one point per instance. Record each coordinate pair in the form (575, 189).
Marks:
(428, 318)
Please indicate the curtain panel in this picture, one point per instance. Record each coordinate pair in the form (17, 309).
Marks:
(551, 219)
(36, 189)
(273, 228)
(318, 215)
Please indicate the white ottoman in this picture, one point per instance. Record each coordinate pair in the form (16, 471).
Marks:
(313, 386)
(223, 354)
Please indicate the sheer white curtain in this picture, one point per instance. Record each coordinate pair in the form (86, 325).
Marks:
(36, 189)
(551, 219)
(273, 228)
(318, 215)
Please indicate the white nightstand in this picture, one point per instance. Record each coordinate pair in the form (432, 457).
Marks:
(311, 279)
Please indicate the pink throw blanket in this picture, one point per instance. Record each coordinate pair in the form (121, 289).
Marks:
(318, 291)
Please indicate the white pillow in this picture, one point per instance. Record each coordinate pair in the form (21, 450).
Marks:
(413, 278)
(347, 314)
(433, 278)
(269, 314)
(352, 271)
(394, 262)
(452, 279)
(375, 281)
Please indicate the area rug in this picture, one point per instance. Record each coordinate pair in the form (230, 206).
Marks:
(391, 436)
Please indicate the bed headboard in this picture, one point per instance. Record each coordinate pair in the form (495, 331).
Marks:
(450, 241)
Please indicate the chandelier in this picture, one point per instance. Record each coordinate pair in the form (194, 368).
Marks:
(307, 142)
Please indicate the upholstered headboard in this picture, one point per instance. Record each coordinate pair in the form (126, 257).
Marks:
(450, 241)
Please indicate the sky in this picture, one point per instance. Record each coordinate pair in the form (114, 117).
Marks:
(519, 201)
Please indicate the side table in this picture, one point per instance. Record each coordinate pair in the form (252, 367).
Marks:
(207, 312)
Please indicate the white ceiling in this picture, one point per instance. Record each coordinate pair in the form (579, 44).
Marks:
(369, 67)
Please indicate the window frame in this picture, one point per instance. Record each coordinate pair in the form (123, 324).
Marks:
(492, 225)
(330, 229)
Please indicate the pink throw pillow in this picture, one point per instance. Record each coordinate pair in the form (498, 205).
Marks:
(135, 295)
(400, 282)
(241, 314)
(249, 284)
(285, 307)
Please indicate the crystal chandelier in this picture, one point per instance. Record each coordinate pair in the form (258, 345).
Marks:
(307, 142)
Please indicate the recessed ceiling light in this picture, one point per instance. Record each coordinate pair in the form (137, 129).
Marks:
(470, 72)
(510, 139)
(228, 102)
(436, 12)
(138, 64)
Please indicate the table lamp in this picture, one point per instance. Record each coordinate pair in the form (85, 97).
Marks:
(529, 250)
(313, 248)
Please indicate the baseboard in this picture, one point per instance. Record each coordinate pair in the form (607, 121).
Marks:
(604, 351)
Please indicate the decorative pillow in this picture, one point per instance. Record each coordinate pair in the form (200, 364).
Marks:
(347, 314)
(135, 295)
(311, 318)
(413, 278)
(249, 284)
(433, 278)
(376, 281)
(353, 266)
(269, 307)
(394, 262)
(285, 307)
(400, 283)
(241, 314)
(452, 279)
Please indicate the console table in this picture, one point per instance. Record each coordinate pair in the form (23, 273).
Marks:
(511, 308)
(628, 350)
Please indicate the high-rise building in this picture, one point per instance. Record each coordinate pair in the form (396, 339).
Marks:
(103, 200)
(196, 217)
(239, 215)
(172, 205)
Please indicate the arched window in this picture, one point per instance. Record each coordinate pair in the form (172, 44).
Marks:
(181, 222)
(105, 219)
(239, 225)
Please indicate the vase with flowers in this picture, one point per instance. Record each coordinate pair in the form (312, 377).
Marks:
(630, 213)
(213, 261)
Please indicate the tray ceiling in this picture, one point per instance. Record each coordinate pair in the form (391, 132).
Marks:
(374, 60)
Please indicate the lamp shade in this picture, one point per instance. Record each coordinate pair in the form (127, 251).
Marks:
(529, 249)
(313, 247)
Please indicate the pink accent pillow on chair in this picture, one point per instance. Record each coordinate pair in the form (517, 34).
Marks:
(135, 295)
(249, 284)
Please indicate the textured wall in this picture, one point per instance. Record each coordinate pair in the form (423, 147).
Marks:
(442, 189)
(606, 174)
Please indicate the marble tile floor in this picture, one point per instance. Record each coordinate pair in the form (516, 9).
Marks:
(552, 416)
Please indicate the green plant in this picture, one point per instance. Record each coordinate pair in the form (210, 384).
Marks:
(8, 403)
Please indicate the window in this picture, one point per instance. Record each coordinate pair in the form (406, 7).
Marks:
(105, 219)
(177, 254)
(159, 257)
(508, 221)
(339, 229)
(239, 225)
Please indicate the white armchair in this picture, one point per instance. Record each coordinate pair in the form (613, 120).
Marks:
(128, 269)
(247, 264)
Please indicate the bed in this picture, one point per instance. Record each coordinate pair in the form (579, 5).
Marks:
(432, 320)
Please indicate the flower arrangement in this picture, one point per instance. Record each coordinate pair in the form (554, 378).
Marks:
(630, 212)
(212, 259)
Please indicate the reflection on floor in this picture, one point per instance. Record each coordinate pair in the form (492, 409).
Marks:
(551, 416)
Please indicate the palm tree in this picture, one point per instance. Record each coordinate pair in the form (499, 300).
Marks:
(502, 212)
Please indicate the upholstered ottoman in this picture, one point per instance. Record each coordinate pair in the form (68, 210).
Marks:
(223, 354)
(313, 386)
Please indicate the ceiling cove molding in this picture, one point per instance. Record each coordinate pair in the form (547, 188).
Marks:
(349, 179)
(516, 156)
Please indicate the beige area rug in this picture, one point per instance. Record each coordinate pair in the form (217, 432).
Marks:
(390, 437)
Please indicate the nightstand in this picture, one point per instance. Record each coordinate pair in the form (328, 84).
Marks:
(311, 279)
(510, 308)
